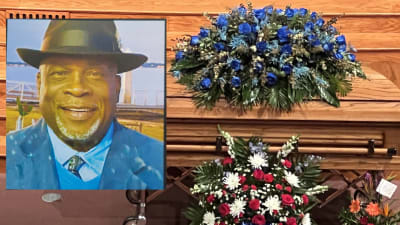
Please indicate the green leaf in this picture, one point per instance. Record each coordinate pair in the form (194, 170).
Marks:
(186, 63)
(194, 213)
(328, 97)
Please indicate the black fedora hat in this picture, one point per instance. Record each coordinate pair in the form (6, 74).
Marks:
(82, 37)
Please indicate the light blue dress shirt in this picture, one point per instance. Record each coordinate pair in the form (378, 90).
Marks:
(94, 158)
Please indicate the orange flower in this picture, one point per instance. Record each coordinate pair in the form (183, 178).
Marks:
(386, 210)
(355, 206)
(373, 209)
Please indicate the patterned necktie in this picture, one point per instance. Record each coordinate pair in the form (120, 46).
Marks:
(74, 164)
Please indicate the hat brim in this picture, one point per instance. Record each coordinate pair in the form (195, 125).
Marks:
(124, 61)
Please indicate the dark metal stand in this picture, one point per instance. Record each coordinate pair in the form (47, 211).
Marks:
(138, 199)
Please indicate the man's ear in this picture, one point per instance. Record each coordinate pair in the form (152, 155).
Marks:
(117, 85)
(38, 82)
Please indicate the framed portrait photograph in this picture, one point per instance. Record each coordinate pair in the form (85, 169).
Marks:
(85, 104)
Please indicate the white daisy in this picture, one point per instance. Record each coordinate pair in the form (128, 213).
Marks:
(272, 203)
(306, 219)
(258, 160)
(232, 180)
(209, 218)
(292, 179)
(237, 207)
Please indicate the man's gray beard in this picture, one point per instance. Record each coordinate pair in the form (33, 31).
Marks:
(77, 137)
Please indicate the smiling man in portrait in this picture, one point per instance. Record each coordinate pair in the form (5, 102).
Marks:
(79, 144)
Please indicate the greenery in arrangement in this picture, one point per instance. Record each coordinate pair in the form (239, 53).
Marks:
(368, 206)
(266, 57)
(255, 187)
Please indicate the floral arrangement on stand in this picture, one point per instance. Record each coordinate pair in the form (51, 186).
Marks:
(368, 206)
(268, 57)
(255, 187)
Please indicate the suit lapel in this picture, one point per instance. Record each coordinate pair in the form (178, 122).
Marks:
(122, 163)
(38, 148)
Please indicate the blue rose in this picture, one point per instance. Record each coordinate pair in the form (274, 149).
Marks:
(236, 81)
(219, 46)
(205, 83)
(327, 47)
(283, 34)
(287, 69)
(332, 29)
(179, 55)
(311, 37)
(259, 67)
(313, 16)
(204, 32)
(289, 13)
(302, 11)
(259, 13)
(235, 64)
(244, 28)
(341, 40)
(270, 10)
(242, 11)
(342, 48)
(271, 79)
(295, 11)
(315, 43)
(222, 21)
(320, 22)
(309, 26)
(194, 40)
(279, 11)
(255, 28)
(338, 55)
(261, 46)
(286, 49)
(351, 57)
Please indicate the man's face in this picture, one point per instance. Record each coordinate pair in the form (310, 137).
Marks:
(78, 96)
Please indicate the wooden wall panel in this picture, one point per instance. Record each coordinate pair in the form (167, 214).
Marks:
(3, 27)
(327, 6)
(2, 62)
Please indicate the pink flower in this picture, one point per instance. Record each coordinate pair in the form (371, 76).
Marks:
(227, 161)
(258, 174)
(268, 178)
(291, 221)
(253, 187)
(278, 186)
(258, 220)
(288, 189)
(245, 187)
(305, 199)
(254, 204)
(242, 179)
(210, 198)
(287, 163)
(364, 220)
(287, 199)
(224, 209)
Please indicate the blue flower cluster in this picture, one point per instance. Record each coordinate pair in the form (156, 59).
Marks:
(268, 44)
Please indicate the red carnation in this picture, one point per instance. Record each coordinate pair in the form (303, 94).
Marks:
(275, 212)
(241, 215)
(242, 179)
(305, 199)
(234, 195)
(287, 163)
(258, 220)
(253, 187)
(222, 223)
(210, 198)
(224, 209)
(278, 186)
(227, 160)
(245, 187)
(268, 178)
(288, 189)
(258, 174)
(291, 221)
(254, 204)
(287, 199)
(364, 220)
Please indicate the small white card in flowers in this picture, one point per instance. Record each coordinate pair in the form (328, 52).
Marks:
(386, 188)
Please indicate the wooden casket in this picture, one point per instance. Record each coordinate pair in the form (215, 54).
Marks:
(363, 133)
